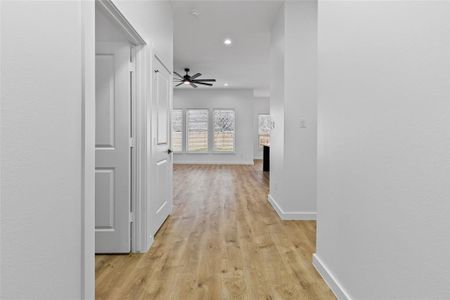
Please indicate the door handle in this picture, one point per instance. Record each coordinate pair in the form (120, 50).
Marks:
(169, 151)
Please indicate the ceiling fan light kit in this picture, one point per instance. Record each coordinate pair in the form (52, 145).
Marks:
(193, 80)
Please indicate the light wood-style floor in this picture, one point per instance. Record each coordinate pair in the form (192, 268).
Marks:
(223, 241)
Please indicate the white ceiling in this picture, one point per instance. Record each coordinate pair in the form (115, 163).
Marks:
(198, 41)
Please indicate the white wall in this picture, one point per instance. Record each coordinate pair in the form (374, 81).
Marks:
(294, 109)
(277, 49)
(41, 150)
(239, 100)
(261, 106)
(384, 140)
(154, 21)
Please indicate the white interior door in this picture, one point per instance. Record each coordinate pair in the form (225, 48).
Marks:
(112, 148)
(162, 165)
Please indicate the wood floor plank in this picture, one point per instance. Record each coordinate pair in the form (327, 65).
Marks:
(222, 241)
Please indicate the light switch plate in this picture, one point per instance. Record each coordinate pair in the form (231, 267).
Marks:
(302, 123)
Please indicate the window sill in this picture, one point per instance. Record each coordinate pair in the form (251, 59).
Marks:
(205, 153)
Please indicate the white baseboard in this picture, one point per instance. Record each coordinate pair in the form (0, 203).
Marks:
(213, 163)
(329, 278)
(296, 215)
(147, 247)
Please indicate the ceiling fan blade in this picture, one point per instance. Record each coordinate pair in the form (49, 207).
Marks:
(210, 80)
(177, 74)
(179, 84)
(193, 85)
(203, 83)
(196, 75)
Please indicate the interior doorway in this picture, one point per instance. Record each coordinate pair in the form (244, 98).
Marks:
(115, 131)
(133, 156)
(147, 102)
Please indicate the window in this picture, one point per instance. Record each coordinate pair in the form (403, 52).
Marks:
(197, 130)
(224, 121)
(264, 126)
(177, 130)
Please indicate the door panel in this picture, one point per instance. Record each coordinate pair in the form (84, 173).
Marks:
(104, 199)
(162, 165)
(112, 153)
(162, 174)
(163, 108)
(104, 102)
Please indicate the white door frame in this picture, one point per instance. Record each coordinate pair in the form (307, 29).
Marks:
(141, 103)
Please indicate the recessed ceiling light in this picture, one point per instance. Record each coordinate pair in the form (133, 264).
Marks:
(225, 84)
(227, 42)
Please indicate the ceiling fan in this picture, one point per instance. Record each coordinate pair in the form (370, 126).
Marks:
(193, 80)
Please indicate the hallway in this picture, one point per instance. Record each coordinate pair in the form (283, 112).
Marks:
(222, 241)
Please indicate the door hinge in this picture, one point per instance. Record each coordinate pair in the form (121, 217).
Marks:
(132, 67)
(131, 217)
(132, 142)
